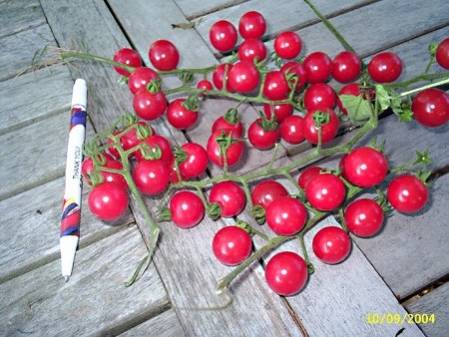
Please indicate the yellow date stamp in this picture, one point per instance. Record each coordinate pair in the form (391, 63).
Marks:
(394, 318)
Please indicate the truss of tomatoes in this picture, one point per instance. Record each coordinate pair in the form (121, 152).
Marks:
(285, 214)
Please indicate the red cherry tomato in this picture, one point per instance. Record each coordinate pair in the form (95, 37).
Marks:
(108, 201)
(385, 67)
(204, 85)
(365, 167)
(346, 67)
(431, 107)
(442, 53)
(163, 144)
(298, 70)
(260, 138)
(129, 57)
(267, 191)
(325, 192)
(281, 111)
(352, 89)
(319, 96)
(140, 78)
(328, 130)
(223, 36)
(186, 209)
(364, 217)
(331, 245)
(307, 175)
(221, 124)
(286, 273)
(252, 25)
(151, 176)
(288, 45)
(87, 168)
(276, 86)
(243, 77)
(149, 106)
(163, 55)
(232, 245)
(292, 129)
(252, 50)
(195, 163)
(318, 67)
(407, 194)
(233, 154)
(230, 198)
(130, 139)
(179, 116)
(218, 76)
(286, 216)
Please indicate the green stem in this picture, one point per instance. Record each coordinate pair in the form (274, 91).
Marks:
(419, 78)
(428, 86)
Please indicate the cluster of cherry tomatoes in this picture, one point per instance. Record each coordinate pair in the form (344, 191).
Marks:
(323, 190)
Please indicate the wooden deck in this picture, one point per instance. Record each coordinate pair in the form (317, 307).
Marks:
(405, 268)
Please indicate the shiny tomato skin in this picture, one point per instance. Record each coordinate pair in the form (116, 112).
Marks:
(281, 111)
(221, 124)
(163, 55)
(286, 216)
(364, 217)
(196, 161)
(252, 25)
(319, 96)
(385, 67)
(292, 129)
(352, 89)
(234, 152)
(442, 53)
(232, 245)
(297, 69)
(179, 116)
(149, 106)
(162, 143)
(260, 138)
(276, 86)
(252, 50)
(286, 273)
(129, 57)
(243, 77)
(431, 107)
(186, 209)
(223, 36)
(130, 138)
(307, 175)
(331, 245)
(229, 196)
(328, 130)
(325, 192)
(365, 167)
(87, 168)
(267, 191)
(152, 177)
(140, 78)
(407, 194)
(218, 76)
(318, 67)
(205, 85)
(288, 45)
(346, 67)
(108, 201)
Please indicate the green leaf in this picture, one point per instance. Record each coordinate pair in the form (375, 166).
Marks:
(423, 158)
(358, 108)
(382, 97)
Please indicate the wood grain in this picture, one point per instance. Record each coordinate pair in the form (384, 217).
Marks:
(194, 8)
(19, 15)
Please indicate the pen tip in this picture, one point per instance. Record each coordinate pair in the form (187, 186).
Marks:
(66, 278)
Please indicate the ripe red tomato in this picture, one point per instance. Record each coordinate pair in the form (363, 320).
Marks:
(352, 89)
(252, 25)
(288, 45)
(233, 154)
(140, 78)
(267, 191)
(163, 55)
(307, 175)
(286, 273)
(196, 161)
(297, 69)
(229, 196)
(163, 144)
(331, 245)
(260, 138)
(204, 85)
(232, 245)
(130, 139)
(286, 216)
(149, 106)
(108, 201)
(179, 116)
(223, 36)
(252, 50)
(318, 67)
(328, 130)
(87, 168)
(442, 53)
(431, 107)
(221, 124)
(364, 217)
(346, 67)
(292, 129)
(276, 86)
(385, 67)
(129, 57)
(407, 194)
(281, 111)
(325, 192)
(186, 209)
(319, 96)
(243, 77)
(364, 167)
(218, 76)
(151, 176)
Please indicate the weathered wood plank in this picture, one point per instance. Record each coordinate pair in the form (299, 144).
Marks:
(18, 49)
(194, 8)
(19, 15)
(29, 228)
(436, 302)
(34, 96)
(94, 302)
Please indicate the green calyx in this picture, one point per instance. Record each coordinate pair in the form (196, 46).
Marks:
(186, 77)
(164, 215)
(127, 119)
(232, 116)
(143, 131)
(213, 211)
(192, 103)
(95, 178)
(152, 152)
(154, 86)
(258, 213)
(268, 124)
(179, 154)
(433, 49)
(320, 118)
